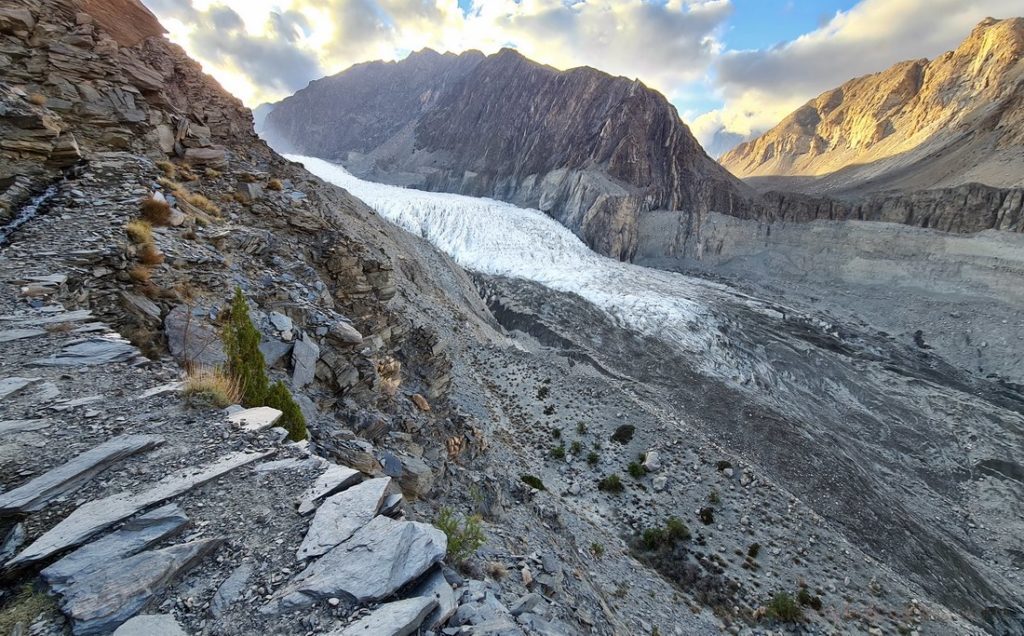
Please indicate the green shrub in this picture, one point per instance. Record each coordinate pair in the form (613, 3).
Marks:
(597, 549)
(805, 598)
(636, 471)
(465, 538)
(558, 452)
(784, 608)
(714, 497)
(754, 550)
(593, 458)
(611, 483)
(673, 532)
(576, 447)
(245, 361)
(581, 428)
(292, 419)
(707, 515)
(533, 482)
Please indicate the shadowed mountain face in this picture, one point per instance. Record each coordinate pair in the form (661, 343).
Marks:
(592, 150)
(954, 120)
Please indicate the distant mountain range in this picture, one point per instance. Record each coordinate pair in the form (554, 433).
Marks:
(920, 124)
(593, 150)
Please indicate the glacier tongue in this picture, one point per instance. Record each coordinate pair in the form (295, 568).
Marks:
(497, 238)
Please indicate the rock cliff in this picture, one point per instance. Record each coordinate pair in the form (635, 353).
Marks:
(592, 150)
(919, 124)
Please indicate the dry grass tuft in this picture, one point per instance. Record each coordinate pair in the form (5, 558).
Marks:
(168, 168)
(275, 185)
(212, 385)
(139, 231)
(24, 608)
(149, 254)
(211, 173)
(156, 212)
(185, 172)
(59, 327)
(202, 202)
(38, 99)
(140, 274)
(496, 570)
(389, 371)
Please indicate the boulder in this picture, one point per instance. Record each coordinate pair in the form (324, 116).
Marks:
(344, 333)
(255, 419)
(304, 358)
(101, 602)
(274, 351)
(150, 625)
(15, 19)
(334, 479)
(134, 536)
(249, 192)
(377, 561)
(417, 478)
(10, 386)
(191, 338)
(652, 461)
(73, 474)
(215, 157)
(91, 517)
(392, 619)
(435, 586)
(342, 515)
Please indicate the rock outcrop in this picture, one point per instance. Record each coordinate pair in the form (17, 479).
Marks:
(594, 151)
(942, 123)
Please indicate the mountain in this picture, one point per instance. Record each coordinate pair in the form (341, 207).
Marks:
(953, 120)
(593, 150)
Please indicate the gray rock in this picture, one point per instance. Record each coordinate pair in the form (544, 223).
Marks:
(659, 483)
(134, 536)
(93, 351)
(250, 192)
(9, 427)
(10, 386)
(191, 338)
(304, 358)
(436, 587)
(215, 157)
(392, 619)
(345, 333)
(342, 515)
(230, 590)
(290, 463)
(101, 602)
(274, 351)
(335, 478)
(65, 478)
(652, 461)
(280, 321)
(373, 564)
(150, 625)
(12, 541)
(90, 518)
(417, 478)
(141, 305)
(392, 505)
(526, 603)
(255, 419)
(20, 334)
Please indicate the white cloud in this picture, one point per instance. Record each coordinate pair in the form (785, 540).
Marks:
(760, 87)
(265, 49)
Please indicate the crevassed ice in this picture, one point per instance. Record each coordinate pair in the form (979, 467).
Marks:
(497, 238)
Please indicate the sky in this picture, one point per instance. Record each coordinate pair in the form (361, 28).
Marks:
(732, 68)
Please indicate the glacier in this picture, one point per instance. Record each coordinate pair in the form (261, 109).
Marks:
(500, 239)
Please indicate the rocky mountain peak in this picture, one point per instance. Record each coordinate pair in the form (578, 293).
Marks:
(875, 126)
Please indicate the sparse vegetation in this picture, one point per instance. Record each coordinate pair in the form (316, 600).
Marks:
(784, 608)
(714, 497)
(636, 470)
(156, 211)
(169, 169)
(581, 428)
(754, 550)
(38, 99)
(593, 458)
(24, 608)
(139, 231)
(212, 385)
(597, 549)
(496, 570)
(292, 419)
(576, 448)
(624, 434)
(533, 482)
(148, 254)
(673, 532)
(245, 361)
(464, 538)
(212, 173)
(707, 515)
(612, 483)
(806, 599)
(543, 392)
(558, 452)
(275, 185)
(140, 274)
